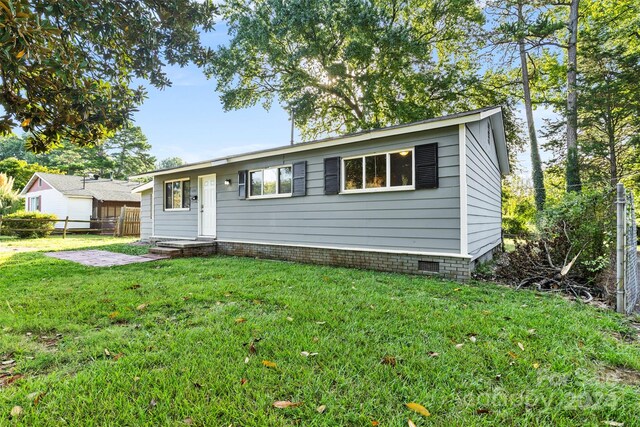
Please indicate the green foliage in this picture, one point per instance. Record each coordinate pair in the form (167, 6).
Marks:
(581, 223)
(125, 154)
(68, 67)
(21, 171)
(518, 208)
(29, 224)
(170, 162)
(9, 197)
(348, 65)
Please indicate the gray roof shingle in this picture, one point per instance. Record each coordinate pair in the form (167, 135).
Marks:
(101, 189)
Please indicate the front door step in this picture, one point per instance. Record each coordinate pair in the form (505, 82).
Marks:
(184, 248)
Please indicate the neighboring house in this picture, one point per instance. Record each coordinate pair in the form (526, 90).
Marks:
(78, 197)
(418, 198)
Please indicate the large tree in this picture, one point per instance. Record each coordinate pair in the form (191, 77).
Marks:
(129, 151)
(348, 65)
(520, 31)
(67, 67)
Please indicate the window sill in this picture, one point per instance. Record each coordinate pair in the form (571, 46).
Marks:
(177, 210)
(270, 196)
(379, 190)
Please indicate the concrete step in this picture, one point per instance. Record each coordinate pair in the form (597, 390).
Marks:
(169, 252)
(184, 244)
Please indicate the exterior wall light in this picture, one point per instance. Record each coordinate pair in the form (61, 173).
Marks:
(227, 182)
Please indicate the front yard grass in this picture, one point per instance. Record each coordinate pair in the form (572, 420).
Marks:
(182, 342)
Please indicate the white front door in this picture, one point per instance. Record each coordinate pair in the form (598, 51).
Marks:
(207, 203)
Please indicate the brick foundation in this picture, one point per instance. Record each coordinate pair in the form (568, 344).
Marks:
(450, 267)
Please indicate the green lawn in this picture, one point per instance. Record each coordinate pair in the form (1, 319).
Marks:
(182, 342)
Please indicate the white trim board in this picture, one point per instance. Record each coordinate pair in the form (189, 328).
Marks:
(464, 220)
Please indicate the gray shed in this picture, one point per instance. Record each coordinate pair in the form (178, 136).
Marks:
(419, 198)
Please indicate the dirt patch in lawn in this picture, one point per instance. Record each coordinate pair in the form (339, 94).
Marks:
(619, 375)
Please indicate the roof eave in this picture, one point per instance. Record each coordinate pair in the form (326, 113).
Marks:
(446, 121)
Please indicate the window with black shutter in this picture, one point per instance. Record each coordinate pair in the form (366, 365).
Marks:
(242, 184)
(332, 175)
(427, 165)
(299, 179)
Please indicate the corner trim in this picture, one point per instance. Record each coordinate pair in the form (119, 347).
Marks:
(462, 148)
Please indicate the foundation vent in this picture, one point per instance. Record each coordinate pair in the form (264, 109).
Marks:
(429, 266)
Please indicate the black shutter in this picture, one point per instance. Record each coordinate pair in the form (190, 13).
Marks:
(427, 166)
(242, 184)
(299, 179)
(332, 175)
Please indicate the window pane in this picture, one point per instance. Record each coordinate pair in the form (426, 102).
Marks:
(177, 194)
(401, 168)
(270, 180)
(256, 183)
(168, 196)
(186, 194)
(353, 174)
(285, 180)
(376, 171)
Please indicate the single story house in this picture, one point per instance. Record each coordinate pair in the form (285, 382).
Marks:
(78, 197)
(423, 197)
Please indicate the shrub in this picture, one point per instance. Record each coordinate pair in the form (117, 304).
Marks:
(582, 223)
(581, 226)
(28, 221)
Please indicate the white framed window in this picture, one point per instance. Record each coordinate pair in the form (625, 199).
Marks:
(34, 204)
(387, 171)
(270, 182)
(177, 194)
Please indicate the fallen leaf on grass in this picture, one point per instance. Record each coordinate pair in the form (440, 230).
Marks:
(433, 354)
(252, 348)
(613, 423)
(8, 362)
(531, 331)
(389, 360)
(269, 364)
(243, 381)
(7, 379)
(481, 411)
(290, 319)
(246, 359)
(16, 411)
(307, 354)
(456, 289)
(459, 345)
(118, 356)
(416, 407)
(320, 323)
(283, 404)
(153, 403)
(321, 409)
(374, 423)
(472, 338)
(188, 421)
(107, 353)
(536, 365)
(114, 314)
(513, 355)
(411, 423)
(141, 307)
(241, 320)
(521, 346)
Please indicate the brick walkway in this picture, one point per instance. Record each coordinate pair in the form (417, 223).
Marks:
(96, 258)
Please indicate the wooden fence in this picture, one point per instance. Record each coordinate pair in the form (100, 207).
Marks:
(127, 224)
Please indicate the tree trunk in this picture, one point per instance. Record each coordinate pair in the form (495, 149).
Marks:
(573, 169)
(536, 165)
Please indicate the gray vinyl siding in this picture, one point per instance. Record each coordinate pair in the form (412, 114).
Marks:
(145, 215)
(413, 220)
(484, 189)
